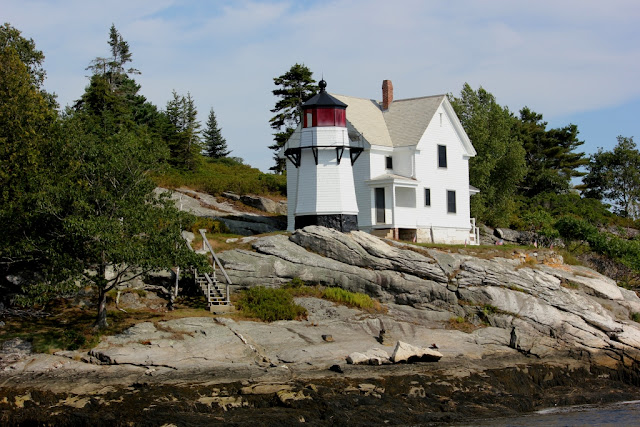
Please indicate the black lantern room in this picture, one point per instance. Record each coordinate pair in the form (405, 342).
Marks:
(324, 110)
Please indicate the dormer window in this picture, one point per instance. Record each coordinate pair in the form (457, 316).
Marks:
(389, 161)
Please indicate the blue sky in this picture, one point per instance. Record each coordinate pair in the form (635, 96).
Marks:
(573, 61)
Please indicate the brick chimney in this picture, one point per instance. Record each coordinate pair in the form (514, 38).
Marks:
(387, 94)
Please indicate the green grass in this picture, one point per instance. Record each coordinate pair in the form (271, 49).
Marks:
(351, 299)
(635, 317)
(270, 304)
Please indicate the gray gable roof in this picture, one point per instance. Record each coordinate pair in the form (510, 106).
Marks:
(402, 125)
(407, 119)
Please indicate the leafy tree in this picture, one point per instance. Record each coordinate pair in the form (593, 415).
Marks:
(295, 87)
(214, 143)
(550, 156)
(615, 176)
(499, 165)
(78, 202)
(184, 139)
(111, 222)
(31, 57)
(27, 124)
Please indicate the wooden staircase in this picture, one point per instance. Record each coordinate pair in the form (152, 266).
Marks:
(215, 293)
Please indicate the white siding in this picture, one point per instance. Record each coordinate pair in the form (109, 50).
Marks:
(377, 162)
(361, 173)
(403, 162)
(292, 193)
(324, 136)
(326, 188)
(454, 177)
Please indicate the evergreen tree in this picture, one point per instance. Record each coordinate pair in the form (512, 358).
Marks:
(295, 87)
(113, 68)
(551, 159)
(184, 136)
(214, 143)
(499, 165)
(615, 176)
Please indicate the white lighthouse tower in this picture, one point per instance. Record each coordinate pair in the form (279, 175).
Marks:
(320, 189)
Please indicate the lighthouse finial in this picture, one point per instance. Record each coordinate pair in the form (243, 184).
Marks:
(322, 85)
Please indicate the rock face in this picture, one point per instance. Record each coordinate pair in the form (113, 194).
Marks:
(265, 204)
(407, 353)
(243, 223)
(543, 309)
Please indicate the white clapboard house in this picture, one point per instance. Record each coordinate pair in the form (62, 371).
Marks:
(396, 168)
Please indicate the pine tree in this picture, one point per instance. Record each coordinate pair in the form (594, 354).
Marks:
(214, 143)
(551, 159)
(184, 140)
(295, 87)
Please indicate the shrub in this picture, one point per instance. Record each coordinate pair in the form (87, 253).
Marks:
(269, 304)
(297, 288)
(349, 298)
(489, 309)
(635, 317)
(217, 176)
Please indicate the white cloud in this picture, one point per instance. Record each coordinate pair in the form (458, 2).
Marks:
(558, 57)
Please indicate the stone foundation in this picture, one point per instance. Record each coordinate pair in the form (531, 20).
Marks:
(344, 223)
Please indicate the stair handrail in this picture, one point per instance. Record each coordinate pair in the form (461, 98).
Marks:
(205, 242)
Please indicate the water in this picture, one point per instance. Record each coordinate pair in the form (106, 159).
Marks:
(615, 414)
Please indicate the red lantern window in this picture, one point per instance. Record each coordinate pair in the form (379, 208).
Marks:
(326, 117)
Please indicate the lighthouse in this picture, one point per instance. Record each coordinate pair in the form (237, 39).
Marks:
(321, 185)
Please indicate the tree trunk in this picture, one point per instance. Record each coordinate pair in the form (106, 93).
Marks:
(101, 320)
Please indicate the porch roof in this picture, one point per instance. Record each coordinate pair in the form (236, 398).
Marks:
(396, 180)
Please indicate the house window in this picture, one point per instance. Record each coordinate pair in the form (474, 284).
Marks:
(380, 206)
(442, 156)
(427, 197)
(389, 162)
(451, 201)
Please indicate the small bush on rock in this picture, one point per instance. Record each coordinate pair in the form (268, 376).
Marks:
(269, 304)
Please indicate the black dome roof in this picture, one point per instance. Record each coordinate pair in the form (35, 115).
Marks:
(323, 99)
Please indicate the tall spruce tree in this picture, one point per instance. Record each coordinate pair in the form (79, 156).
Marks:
(550, 154)
(184, 137)
(215, 145)
(295, 87)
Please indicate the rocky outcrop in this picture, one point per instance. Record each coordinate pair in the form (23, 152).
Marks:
(409, 353)
(265, 204)
(520, 330)
(543, 307)
(238, 222)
